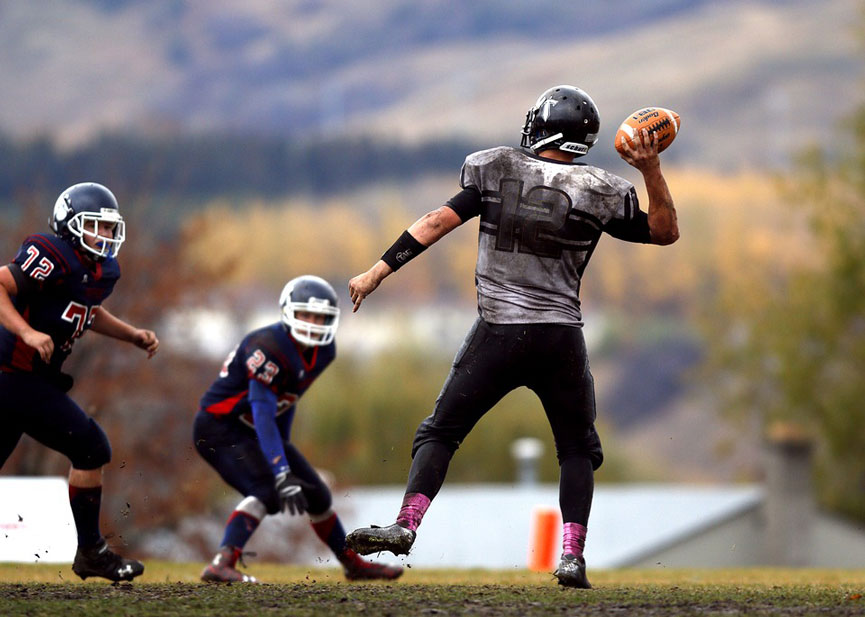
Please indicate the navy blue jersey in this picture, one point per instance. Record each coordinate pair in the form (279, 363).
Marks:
(59, 292)
(271, 356)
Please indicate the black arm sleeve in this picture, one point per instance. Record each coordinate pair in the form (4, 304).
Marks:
(466, 203)
(634, 230)
(26, 285)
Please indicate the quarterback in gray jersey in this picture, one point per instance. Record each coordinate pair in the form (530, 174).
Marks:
(540, 221)
(541, 217)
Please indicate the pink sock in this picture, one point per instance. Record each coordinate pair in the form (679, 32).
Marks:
(414, 506)
(573, 539)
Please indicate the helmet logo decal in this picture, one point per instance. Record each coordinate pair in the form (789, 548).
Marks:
(546, 106)
(61, 208)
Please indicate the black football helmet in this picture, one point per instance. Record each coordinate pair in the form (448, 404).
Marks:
(78, 212)
(563, 118)
(309, 294)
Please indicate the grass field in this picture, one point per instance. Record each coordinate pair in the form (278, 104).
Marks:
(173, 589)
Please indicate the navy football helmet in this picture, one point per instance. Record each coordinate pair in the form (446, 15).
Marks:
(78, 212)
(309, 294)
(563, 118)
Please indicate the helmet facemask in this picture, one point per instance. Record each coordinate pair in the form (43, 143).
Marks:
(87, 224)
(314, 295)
(307, 332)
(78, 213)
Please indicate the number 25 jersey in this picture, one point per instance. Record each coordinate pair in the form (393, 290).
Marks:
(540, 223)
(59, 292)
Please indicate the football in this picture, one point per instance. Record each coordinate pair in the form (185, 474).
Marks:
(664, 122)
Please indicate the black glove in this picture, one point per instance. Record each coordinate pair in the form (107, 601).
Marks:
(290, 490)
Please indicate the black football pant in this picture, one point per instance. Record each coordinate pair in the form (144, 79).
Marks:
(550, 360)
(33, 405)
(233, 450)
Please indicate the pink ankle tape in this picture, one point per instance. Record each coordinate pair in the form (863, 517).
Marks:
(573, 539)
(414, 506)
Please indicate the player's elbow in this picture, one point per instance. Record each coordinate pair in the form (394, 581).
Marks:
(665, 237)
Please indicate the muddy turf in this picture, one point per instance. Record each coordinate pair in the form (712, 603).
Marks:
(172, 589)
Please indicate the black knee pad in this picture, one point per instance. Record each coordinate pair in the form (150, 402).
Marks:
(594, 453)
(318, 499)
(266, 494)
(92, 450)
(427, 432)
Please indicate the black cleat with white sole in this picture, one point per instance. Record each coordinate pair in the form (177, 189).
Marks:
(99, 560)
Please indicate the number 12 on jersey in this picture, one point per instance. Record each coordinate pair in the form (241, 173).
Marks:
(536, 221)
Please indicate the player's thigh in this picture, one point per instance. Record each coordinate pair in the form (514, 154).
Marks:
(234, 452)
(9, 438)
(317, 493)
(56, 421)
(481, 374)
(564, 383)
(9, 419)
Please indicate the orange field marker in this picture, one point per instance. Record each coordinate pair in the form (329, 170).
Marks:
(545, 533)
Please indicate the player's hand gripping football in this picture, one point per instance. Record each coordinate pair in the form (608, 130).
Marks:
(290, 489)
(644, 152)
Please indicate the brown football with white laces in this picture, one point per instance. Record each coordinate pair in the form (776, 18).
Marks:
(663, 122)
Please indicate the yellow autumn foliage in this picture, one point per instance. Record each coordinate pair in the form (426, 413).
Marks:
(736, 231)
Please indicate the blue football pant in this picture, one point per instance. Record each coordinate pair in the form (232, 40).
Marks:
(29, 404)
(233, 450)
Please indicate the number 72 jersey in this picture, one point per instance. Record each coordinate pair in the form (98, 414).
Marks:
(58, 294)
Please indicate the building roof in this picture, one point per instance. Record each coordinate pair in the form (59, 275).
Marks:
(489, 525)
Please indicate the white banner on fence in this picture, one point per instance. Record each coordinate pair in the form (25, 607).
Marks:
(36, 524)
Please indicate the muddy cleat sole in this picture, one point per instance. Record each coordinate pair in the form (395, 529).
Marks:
(572, 572)
(394, 538)
(101, 561)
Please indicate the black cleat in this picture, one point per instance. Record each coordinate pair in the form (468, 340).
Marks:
(572, 572)
(99, 560)
(393, 538)
(356, 568)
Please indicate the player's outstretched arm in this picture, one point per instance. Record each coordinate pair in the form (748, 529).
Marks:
(663, 223)
(107, 324)
(11, 319)
(423, 233)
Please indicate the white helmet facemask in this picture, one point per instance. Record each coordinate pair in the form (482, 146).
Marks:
(87, 224)
(313, 295)
(306, 332)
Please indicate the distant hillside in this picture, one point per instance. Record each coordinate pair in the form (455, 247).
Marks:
(752, 80)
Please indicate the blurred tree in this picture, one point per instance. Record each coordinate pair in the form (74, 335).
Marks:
(791, 345)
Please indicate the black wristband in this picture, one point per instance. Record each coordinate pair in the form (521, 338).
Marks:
(402, 251)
